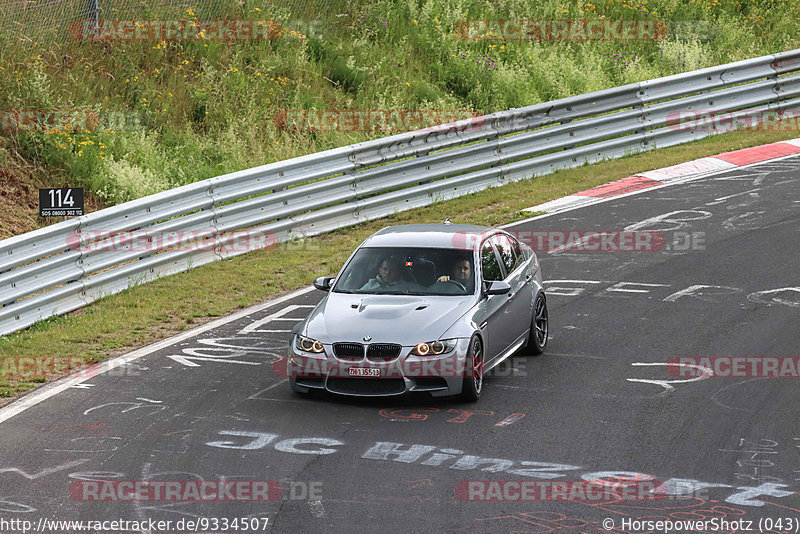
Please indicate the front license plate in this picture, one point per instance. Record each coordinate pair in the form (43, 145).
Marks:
(364, 371)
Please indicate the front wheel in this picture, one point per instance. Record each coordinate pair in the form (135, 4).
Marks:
(473, 379)
(537, 337)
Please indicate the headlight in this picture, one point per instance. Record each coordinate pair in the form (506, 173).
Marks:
(434, 348)
(306, 344)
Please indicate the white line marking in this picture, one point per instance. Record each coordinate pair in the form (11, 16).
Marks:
(667, 384)
(277, 316)
(54, 388)
(618, 287)
(255, 396)
(317, 510)
(185, 360)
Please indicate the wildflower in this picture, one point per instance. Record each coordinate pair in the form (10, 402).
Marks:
(415, 22)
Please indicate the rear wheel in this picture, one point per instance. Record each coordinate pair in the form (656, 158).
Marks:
(473, 381)
(537, 337)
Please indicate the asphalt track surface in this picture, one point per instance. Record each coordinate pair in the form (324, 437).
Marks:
(602, 399)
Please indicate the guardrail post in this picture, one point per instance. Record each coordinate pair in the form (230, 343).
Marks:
(93, 15)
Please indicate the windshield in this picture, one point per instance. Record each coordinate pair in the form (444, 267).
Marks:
(408, 271)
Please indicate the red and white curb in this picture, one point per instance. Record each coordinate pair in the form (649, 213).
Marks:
(679, 172)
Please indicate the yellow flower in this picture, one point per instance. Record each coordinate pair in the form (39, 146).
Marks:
(415, 22)
(408, 84)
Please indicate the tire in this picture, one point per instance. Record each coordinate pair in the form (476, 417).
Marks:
(473, 384)
(537, 337)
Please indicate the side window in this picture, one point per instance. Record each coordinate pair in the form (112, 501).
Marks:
(509, 251)
(517, 252)
(491, 269)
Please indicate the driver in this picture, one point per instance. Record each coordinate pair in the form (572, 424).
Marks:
(461, 273)
(389, 275)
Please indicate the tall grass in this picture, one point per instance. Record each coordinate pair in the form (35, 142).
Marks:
(175, 112)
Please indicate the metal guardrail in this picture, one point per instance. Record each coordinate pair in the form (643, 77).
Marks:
(62, 267)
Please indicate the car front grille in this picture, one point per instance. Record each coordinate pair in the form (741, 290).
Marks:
(349, 351)
(383, 352)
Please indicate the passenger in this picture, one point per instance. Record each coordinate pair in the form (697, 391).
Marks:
(389, 275)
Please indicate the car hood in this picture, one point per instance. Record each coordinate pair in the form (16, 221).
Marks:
(403, 319)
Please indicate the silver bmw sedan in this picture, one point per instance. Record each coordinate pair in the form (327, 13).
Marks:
(421, 308)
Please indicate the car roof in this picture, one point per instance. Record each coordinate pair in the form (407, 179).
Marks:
(455, 236)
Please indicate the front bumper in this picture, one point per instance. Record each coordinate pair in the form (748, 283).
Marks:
(440, 376)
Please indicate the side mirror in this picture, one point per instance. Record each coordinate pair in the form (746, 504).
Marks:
(323, 283)
(496, 287)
